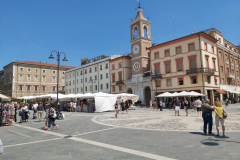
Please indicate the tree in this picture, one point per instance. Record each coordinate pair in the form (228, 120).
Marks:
(103, 56)
(83, 59)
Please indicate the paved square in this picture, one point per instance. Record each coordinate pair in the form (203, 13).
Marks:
(140, 134)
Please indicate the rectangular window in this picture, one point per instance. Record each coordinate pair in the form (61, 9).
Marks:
(36, 88)
(85, 79)
(85, 71)
(120, 88)
(29, 77)
(28, 88)
(192, 64)
(77, 81)
(85, 88)
(54, 89)
(81, 80)
(191, 47)
(95, 69)
(77, 90)
(120, 65)
(95, 87)
(73, 74)
(212, 49)
(167, 68)
(169, 83)
(209, 79)
(90, 70)
(179, 65)
(100, 67)
(120, 76)
(81, 73)
(73, 82)
(215, 81)
(36, 78)
(113, 78)
(100, 76)
(101, 87)
(178, 50)
(54, 79)
(222, 80)
(90, 88)
(205, 46)
(43, 88)
(106, 66)
(113, 88)
(44, 78)
(221, 68)
(95, 77)
(20, 77)
(157, 69)
(44, 71)
(36, 70)
(106, 75)
(81, 89)
(156, 55)
(180, 81)
(21, 69)
(194, 80)
(113, 67)
(214, 65)
(106, 85)
(167, 53)
(20, 88)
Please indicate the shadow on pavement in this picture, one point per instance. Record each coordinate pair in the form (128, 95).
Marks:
(210, 143)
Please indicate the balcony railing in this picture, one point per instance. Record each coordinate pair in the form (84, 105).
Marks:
(201, 71)
(158, 76)
(119, 82)
(230, 75)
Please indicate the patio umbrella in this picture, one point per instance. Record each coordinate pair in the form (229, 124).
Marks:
(166, 94)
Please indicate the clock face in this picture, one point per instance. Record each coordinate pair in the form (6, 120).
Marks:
(136, 49)
(136, 66)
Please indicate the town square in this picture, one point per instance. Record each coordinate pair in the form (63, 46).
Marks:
(131, 79)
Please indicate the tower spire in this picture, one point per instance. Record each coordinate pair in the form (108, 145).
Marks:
(139, 5)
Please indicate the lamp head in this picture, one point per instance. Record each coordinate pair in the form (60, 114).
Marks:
(64, 59)
(51, 57)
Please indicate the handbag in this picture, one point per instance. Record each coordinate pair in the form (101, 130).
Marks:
(224, 115)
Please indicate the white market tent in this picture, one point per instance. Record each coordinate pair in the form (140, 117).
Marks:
(104, 102)
(127, 96)
(181, 94)
(4, 98)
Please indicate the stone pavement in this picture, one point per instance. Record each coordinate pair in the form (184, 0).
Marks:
(141, 134)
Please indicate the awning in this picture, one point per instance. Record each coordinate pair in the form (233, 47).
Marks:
(220, 91)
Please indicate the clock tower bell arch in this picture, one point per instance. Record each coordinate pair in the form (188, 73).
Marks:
(140, 40)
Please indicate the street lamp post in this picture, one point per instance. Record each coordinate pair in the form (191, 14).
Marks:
(58, 61)
(156, 75)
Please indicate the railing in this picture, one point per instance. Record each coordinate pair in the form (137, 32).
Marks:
(200, 71)
(146, 79)
(158, 76)
(230, 75)
(119, 82)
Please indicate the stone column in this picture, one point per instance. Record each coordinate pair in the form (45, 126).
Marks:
(212, 97)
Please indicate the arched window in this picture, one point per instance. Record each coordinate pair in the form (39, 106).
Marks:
(145, 31)
(135, 32)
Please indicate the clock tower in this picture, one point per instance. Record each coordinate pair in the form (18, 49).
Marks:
(140, 40)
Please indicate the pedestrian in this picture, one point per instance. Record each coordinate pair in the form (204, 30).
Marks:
(40, 110)
(233, 100)
(227, 101)
(185, 104)
(74, 106)
(46, 116)
(177, 105)
(35, 105)
(116, 108)
(207, 116)
(150, 103)
(126, 106)
(24, 110)
(71, 106)
(154, 105)
(199, 104)
(1, 147)
(122, 106)
(51, 118)
(219, 117)
(91, 107)
(161, 105)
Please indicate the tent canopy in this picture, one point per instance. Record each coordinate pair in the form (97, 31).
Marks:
(4, 98)
(127, 96)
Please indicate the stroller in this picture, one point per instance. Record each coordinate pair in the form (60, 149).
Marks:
(60, 115)
(24, 115)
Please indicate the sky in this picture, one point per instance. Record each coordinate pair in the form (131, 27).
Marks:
(31, 29)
